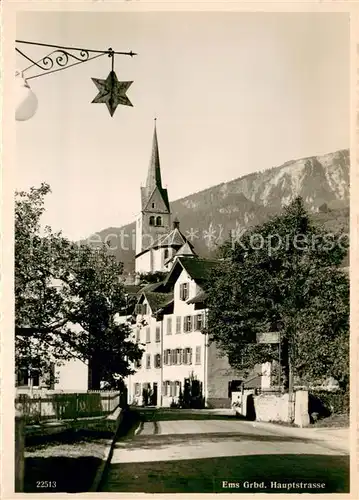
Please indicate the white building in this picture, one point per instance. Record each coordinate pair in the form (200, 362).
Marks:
(170, 325)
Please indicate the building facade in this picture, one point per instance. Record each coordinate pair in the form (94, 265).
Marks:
(171, 328)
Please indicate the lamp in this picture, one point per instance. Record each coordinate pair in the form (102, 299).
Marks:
(26, 100)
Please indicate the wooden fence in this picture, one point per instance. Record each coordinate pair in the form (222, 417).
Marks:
(63, 406)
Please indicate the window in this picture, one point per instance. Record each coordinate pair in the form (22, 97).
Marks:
(158, 334)
(152, 220)
(171, 388)
(178, 324)
(148, 361)
(141, 309)
(198, 322)
(23, 377)
(187, 324)
(184, 291)
(35, 375)
(158, 221)
(187, 356)
(157, 360)
(153, 205)
(169, 326)
(198, 355)
(166, 388)
(137, 389)
(177, 388)
(138, 334)
(148, 335)
(166, 253)
(178, 356)
(167, 357)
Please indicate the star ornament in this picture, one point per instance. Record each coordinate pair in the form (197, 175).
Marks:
(112, 92)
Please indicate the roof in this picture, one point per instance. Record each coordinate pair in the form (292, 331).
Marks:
(174, 238)
(198, 299)
(158, 300)
(154, 180)
(132, 289)
(199, 269)
(186, 249)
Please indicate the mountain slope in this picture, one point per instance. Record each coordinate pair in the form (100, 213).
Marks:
(207, 216)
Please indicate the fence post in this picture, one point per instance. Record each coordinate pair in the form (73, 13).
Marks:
(19, 452)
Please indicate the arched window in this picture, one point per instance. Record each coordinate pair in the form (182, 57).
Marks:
(152, 220)
(153, 205)
(158, 221)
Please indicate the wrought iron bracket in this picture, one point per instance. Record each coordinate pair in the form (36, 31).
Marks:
(61, 58)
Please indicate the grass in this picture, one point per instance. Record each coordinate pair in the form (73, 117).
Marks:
(339, 420)
(207, 475)
(69, 460)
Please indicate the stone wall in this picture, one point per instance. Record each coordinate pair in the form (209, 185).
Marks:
(272, 408)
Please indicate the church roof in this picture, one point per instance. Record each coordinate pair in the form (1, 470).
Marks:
(186, 249)
(174, 238)
(154, 180)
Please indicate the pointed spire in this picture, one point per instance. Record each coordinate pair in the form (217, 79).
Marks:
(154, 170)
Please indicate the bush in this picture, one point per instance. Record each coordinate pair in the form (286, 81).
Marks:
(326, 403)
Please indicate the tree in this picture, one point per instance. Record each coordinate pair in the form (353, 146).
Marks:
(67, 298)
(284, 276)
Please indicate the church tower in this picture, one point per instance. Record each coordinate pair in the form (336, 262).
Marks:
(155, 217)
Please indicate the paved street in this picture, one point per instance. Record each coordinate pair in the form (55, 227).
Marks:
(207, 455)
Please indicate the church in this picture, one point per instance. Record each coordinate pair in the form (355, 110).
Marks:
(158, 239)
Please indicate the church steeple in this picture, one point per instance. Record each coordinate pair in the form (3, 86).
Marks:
(155, 218)
(154, 170)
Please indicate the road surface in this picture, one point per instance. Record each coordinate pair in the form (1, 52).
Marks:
(224, 455)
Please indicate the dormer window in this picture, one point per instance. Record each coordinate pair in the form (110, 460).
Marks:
(152, 220)
(166, 253)
(158, 221)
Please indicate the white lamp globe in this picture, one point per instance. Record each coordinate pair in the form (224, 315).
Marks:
(26, 100)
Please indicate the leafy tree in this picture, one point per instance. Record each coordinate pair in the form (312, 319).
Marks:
(67, 298)
(284, 276)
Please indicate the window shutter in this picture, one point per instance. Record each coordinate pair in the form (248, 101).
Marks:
(190, 323)
(178, 324)
(169, 326)
(190, 356)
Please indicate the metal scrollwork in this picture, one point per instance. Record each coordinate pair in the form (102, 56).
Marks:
(62, 57)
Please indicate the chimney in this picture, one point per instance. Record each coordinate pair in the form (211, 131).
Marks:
(176, 223)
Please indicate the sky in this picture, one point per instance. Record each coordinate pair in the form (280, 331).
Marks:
(233, 93)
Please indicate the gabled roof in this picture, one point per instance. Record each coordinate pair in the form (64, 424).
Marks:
(198, 299)
(186, 249)
(158, 300)
(174, 238)
(198, 269)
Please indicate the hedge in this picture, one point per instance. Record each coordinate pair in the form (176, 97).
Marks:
(326, 403)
